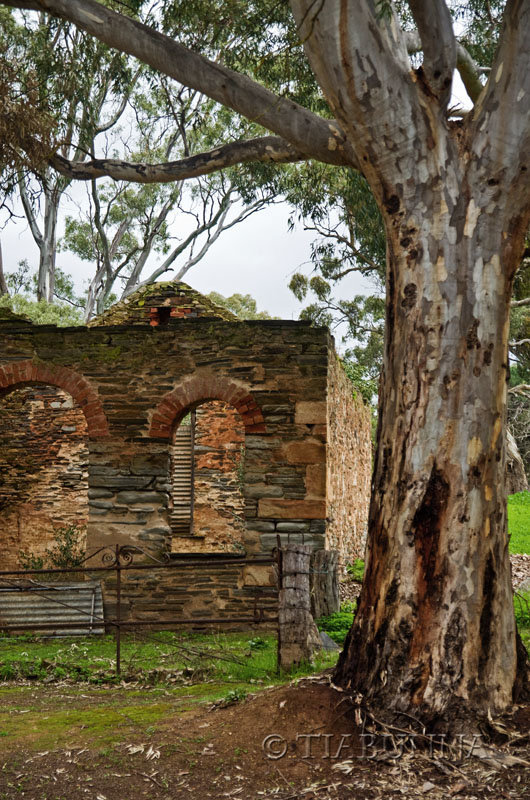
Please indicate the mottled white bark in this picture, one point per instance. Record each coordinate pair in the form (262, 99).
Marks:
(435, 631)
(45, 239)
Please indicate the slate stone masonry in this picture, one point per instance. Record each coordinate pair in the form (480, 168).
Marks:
(135, 382)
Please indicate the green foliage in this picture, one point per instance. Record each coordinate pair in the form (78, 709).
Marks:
(364, 317)
(67, 551)
(257, 643)
(41, 312)
(519, 522)
(28, 134)
(234, 696)
(521, 604)
(336, 625)
(30, 560)
(242, 305)
(22, 285)
(356, 570)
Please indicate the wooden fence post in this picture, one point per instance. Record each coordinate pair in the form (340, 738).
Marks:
(324, 583)
(298, 634)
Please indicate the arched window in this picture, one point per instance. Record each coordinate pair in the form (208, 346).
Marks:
(207, 475)
(43, 468)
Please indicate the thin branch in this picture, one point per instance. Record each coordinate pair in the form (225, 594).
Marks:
(469, 70)
(206, 246)
(134, 277)
(188, 242)
(520, 303)
(519, 343)
(28, 210)
(100, 229)
(105, 126)
(521, 388)
(3, 285)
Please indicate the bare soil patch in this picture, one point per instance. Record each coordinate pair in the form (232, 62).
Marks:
(283, 743)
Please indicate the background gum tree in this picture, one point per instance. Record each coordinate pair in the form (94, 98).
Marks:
(434, 634)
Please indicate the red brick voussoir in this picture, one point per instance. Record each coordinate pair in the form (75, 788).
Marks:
(17, 373)
(199, 389)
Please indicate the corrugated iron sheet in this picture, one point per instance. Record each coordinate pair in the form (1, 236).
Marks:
(28, 603)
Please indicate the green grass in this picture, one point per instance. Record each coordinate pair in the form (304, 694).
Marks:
(150, 658)
(337, 625)
(519, 522)
(521, 604)
(356, 570)
(174, 673)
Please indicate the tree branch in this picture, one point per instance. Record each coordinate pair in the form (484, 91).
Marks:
(520, 303)
(521, 388)
(360, 60)
(266, 149)
(3, 285)
(435, 28)
(500, 131)
(312, 135)
(30, 216)
(134, 277)
(469, 70)
(105, 126)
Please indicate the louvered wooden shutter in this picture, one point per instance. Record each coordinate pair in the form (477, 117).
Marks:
(182, 478)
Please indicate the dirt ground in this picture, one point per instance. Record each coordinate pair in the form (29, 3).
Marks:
(297, 741)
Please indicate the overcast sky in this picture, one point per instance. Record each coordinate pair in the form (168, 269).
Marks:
(257, 257)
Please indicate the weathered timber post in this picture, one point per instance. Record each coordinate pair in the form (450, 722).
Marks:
(298, 634)
(324, 583)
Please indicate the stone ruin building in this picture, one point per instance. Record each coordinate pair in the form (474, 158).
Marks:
(170, 424)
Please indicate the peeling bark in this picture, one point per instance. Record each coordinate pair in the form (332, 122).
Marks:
(434, 634)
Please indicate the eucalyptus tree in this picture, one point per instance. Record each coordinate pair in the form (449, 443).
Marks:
(434, 635)
(84, 87)
(135, 234)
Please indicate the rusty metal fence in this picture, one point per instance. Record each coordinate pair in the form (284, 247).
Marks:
(119, 560)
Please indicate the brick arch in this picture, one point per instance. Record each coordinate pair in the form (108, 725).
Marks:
(200, 389)
(23, 372)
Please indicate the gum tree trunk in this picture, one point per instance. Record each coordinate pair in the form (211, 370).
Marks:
(435, 630)
(434, 634)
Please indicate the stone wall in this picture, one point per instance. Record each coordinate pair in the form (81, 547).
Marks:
(207, 463)
(349, 466)
(219, 505)
(43, 469)
(208, 590)
(135, 383)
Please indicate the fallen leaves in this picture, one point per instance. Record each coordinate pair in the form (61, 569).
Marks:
(151, 754)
